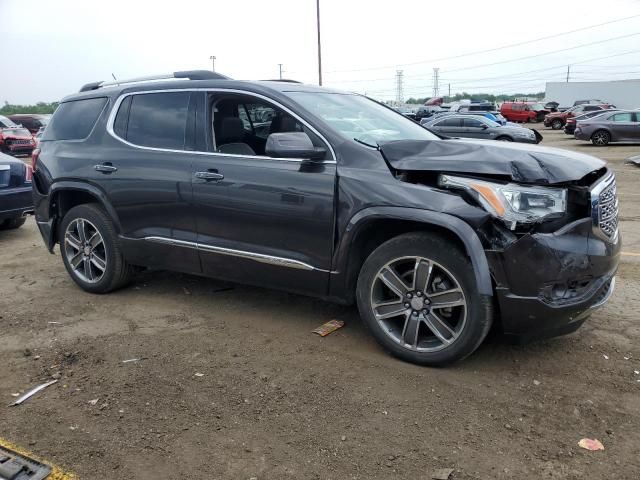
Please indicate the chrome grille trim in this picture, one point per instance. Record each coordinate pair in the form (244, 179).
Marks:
(605, 209)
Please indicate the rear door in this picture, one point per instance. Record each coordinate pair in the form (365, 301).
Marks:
(451, 127)
(624, 127)
(146, 174)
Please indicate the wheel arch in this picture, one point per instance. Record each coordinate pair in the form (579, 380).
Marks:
(65, 195)
(373, 226)
(602, 129)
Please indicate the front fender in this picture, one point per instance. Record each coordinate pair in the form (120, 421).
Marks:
(456, 226)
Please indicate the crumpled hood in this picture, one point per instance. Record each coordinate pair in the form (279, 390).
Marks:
(522, 163)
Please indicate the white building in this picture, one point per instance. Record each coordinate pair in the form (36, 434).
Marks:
(623, 94)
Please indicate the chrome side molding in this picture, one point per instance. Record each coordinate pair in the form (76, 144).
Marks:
(258, 257)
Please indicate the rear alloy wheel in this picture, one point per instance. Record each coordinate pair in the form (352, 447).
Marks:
(600, 138)
(418, 296)
(90, 250)
(557, 124)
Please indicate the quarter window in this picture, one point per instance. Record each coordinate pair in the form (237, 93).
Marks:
(74, 120)
(473, 123)
(156, 120)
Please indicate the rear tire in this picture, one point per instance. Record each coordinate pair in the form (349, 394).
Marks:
(12, 223)
(557, 124)
(434, 316)
(600, 138)
(90, 250)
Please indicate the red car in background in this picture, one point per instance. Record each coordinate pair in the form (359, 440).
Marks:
(15, 139)
(557, 120)
(523, 111)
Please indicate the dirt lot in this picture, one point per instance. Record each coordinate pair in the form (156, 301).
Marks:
(276, 402)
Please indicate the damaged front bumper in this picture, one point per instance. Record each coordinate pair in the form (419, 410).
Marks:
(547, 284)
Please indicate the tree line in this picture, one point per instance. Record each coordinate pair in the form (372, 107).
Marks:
(485, 97)
(40, 107)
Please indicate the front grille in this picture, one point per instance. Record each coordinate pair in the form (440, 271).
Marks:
(604, 208)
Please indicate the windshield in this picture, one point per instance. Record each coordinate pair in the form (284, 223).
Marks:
(536, 107)
(359, 118)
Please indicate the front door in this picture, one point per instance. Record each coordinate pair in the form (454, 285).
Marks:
(624, 127)
(261, 220)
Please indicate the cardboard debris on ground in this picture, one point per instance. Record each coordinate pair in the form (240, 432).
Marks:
(442, 474)
(590, 444)
(32, 392)
(329, 327)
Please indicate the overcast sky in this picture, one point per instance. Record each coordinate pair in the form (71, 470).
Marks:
(50, 48)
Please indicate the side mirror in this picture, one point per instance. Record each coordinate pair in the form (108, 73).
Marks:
(485, 126)
(293, 145)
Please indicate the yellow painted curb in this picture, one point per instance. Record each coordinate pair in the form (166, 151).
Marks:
(56, 473)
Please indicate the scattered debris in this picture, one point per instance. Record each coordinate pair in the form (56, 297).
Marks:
(53, 323)
(536, 382)
(343, 438)
(606, 357)
(15, 394)
(186, 291)
(93, 402)
(131, 360)
(635, 160)
(329, 327)
(442, 474)
(27, 352)
(198, 374)
(590, 444)
(636, 372)
(32, 392)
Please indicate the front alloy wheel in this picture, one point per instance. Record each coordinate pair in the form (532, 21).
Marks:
(419, 304)
(418, 296)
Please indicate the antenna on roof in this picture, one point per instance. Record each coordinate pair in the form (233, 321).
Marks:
(114, 77)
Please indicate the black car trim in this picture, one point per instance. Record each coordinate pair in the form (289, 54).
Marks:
(455, 225)
(258, 257)
(114, 111)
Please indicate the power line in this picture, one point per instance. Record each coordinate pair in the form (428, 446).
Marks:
(545, 53)
(477, 52)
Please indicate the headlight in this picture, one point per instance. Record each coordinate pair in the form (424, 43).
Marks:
(511, 202)
(525, 133)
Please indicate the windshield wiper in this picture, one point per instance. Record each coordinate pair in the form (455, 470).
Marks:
(376, 146)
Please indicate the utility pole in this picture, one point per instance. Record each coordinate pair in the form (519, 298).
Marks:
(280, 67)
(213, 62)
(449, 90)
(319, 50)
(399, 87)
(436, 78)
(568, 69)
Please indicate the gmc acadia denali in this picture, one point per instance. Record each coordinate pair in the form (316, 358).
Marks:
(329, 194)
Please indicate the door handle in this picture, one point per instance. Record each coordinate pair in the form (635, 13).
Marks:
(209, 175)
(105, 168)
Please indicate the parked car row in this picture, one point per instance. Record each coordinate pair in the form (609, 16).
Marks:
(16, 200)
(479, 126)
(19, 133)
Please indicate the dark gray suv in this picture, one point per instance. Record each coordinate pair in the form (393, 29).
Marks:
(328, 194)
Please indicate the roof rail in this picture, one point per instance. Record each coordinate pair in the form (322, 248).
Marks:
(188, 74)
(287, 80)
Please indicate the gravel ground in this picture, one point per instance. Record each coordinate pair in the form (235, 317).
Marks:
(231, 384)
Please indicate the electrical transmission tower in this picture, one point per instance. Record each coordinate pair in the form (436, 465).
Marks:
(399, 86)
(436, 79)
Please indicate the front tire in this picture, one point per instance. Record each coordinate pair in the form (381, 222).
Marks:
(418, 295)
(12, 223)
(600, 138)
(91, 251)
(557, 124)
(504, 138)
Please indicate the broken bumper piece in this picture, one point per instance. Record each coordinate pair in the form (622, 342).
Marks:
(555, 280)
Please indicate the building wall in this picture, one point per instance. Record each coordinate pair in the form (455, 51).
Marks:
(623, 94)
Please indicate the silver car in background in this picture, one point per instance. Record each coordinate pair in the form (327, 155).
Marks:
(476, 126)
(619, 126)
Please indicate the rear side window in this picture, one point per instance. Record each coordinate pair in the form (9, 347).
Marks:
(74, 120)
(156, 120)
